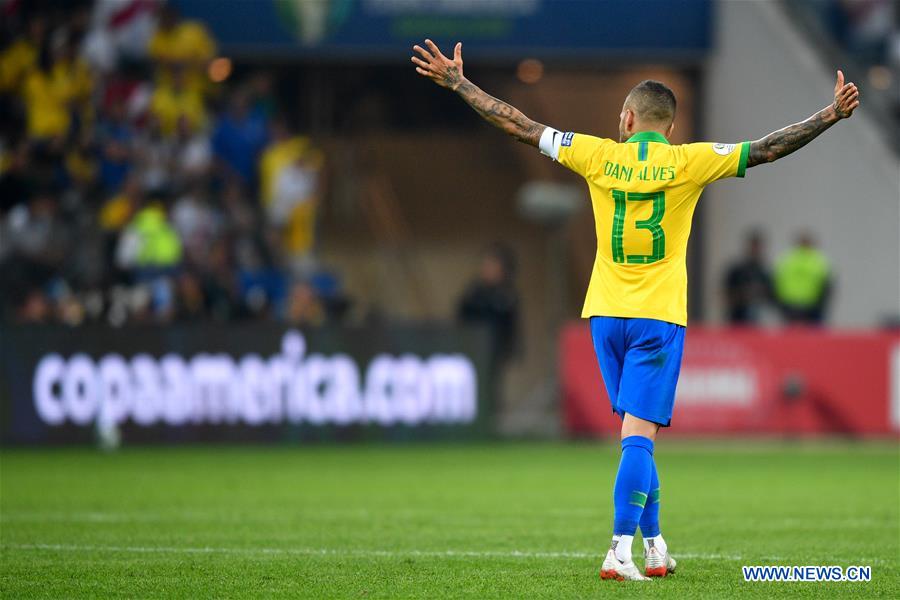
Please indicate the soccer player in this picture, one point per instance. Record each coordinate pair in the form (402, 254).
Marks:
(643, 192)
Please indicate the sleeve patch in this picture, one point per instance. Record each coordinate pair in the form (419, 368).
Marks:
(567, 138)
(723, 149)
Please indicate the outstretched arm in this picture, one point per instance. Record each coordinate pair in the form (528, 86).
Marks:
(793, 137)
(449, 74)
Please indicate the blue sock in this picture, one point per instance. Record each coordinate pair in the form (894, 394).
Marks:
(650, 516)
(632, 483)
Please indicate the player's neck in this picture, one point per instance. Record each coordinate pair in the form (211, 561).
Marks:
(661, 132)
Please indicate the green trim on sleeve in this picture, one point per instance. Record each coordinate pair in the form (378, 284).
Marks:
(742, 161)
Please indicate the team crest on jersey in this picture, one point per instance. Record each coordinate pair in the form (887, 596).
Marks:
(723, 149)
(567, 138)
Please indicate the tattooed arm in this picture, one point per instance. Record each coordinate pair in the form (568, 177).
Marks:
(793, 137)
(500, 114)
(449, 74)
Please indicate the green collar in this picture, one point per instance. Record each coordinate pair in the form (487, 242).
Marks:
(648, 136)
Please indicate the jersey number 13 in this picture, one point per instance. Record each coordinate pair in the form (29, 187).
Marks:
(652, 225)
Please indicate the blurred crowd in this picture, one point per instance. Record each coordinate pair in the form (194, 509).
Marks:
(868, 30)
(796, 288)
(142, 180)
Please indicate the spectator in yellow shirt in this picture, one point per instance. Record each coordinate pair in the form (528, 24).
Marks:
(284, 149)
(20, 58)
(118, 210)
(46, 103)
(59, 87)
(181, 43)
(170, 104)
(296, 195)
(291, 187)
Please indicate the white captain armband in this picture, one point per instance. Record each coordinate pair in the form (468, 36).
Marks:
(550, 142)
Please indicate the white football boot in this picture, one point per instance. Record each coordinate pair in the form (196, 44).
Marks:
(657, 564)
(613, 568)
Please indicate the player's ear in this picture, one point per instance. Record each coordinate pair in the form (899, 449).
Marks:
(670, 130)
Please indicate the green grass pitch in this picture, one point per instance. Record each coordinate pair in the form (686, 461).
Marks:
(419, 521)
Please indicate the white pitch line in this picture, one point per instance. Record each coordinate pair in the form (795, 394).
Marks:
(339, 552)
(367, 552)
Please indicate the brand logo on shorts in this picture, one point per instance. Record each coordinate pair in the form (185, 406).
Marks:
(567, 138)
(723, 149)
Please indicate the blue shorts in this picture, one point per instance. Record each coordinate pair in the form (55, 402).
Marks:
(640, 360)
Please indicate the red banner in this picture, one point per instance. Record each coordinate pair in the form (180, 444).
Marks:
(789, 381)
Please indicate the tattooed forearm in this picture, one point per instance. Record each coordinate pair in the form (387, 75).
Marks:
(500, 114)
(793, 137)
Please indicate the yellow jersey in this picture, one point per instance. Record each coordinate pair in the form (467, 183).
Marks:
(188, 44)
(16, 62)
(169, 105)
(45, 99)
(273, 159)
(643, 194)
